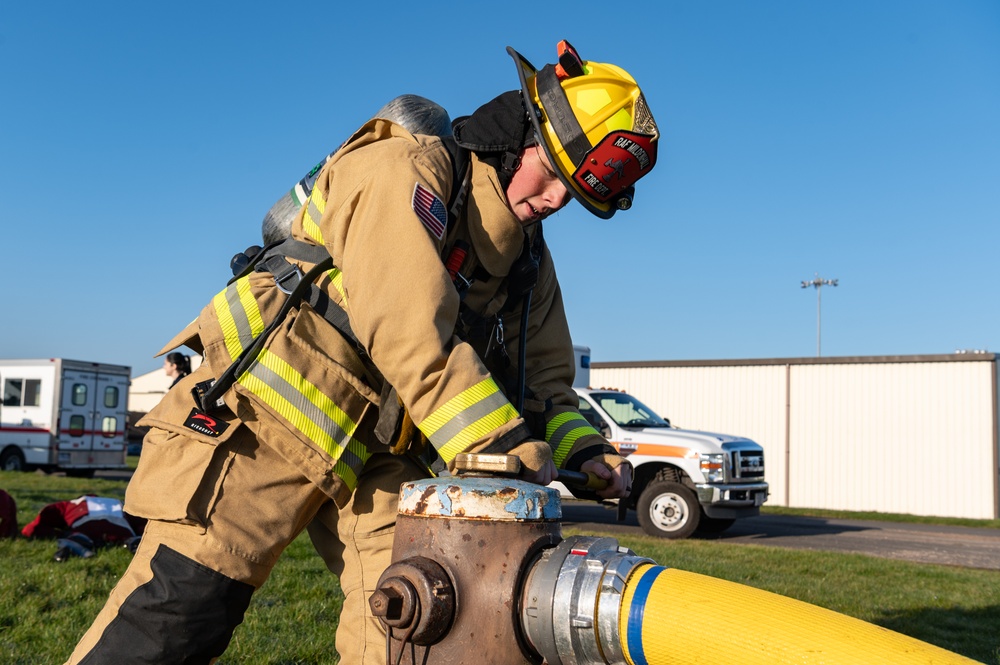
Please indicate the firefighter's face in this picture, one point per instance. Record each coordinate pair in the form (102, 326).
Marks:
(535, 191)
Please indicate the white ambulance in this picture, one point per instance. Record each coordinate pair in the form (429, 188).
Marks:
(685, 480)
(64, 415)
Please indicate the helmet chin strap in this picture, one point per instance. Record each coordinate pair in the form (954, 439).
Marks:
(511, 160)
(509, 163)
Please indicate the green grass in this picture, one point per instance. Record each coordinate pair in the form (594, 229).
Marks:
(46, 606)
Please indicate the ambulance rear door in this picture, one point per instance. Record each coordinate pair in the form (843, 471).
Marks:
(92, 415)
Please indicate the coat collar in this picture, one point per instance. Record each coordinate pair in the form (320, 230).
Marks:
(497, 235)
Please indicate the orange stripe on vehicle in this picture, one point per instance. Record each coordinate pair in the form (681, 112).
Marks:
(654, 450)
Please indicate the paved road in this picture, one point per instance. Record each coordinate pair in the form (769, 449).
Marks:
(949, 545)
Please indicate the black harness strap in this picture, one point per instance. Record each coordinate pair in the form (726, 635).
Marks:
(212, 396)
(461, 168)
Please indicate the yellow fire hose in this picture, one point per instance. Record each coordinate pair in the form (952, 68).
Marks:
(673, 617)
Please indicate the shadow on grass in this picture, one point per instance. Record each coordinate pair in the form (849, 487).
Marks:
(972, 633)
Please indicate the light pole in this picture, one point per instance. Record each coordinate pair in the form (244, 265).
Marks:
(818, 283)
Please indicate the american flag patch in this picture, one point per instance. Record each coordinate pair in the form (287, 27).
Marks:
(430, 210)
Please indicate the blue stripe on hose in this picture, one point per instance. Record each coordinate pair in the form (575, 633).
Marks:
(633, 630)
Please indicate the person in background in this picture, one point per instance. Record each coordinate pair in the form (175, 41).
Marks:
(177, 366)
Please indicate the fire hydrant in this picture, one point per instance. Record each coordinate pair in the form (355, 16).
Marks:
(476, 561)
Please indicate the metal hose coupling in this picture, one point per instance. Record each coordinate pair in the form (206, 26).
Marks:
(571, 602)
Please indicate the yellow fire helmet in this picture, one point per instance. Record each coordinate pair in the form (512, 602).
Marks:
(593, 123)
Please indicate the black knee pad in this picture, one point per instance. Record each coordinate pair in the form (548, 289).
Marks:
(186, 614)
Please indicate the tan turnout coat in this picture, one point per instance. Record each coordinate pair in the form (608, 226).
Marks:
(308, 393)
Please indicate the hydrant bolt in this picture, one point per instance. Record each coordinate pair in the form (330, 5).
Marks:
(394, 602)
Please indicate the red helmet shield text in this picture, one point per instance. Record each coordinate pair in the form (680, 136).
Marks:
(614, 164)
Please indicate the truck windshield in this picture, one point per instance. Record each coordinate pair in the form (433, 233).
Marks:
(627, 411)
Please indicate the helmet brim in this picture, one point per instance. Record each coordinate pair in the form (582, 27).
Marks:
(525, 70)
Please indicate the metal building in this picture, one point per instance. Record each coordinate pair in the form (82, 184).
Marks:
(899, 434)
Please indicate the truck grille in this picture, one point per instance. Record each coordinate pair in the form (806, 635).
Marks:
(748, 465)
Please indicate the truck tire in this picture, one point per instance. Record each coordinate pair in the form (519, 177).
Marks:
(668, 509)
(12, 459)
(714, 524)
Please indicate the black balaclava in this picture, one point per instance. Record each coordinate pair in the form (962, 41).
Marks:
(497, 132)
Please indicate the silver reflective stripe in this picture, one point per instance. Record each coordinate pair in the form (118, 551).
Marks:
(238, 313)
(467, 416)
(302, 413)
(314, 213)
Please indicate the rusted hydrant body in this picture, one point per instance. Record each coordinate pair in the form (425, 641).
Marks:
(461, 551)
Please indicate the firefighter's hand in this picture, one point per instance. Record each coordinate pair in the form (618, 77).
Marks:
(536, 461)
(543, 476)
(619, 479)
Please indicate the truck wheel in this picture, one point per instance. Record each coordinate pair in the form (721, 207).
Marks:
(714, 524)
(12, 459)
(668, 509)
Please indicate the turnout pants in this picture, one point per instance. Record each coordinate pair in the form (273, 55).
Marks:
(211, 543)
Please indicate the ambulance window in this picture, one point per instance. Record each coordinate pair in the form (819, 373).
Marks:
(591, 415)
(109, 426)
(111, 397)
(79, 394)
(32, 392)
(12, 392)
(76, 426)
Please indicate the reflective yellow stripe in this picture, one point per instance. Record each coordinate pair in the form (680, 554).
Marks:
(238, 316)
(467, 417)
(309, 411)
(563, 431)
(337, 280)
(312, 213)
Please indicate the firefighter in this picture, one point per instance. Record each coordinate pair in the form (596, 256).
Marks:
(415, 315)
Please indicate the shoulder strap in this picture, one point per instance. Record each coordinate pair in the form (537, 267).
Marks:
(211, 397)
(461, 169)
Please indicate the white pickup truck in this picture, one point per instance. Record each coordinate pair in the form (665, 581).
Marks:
(684, 480)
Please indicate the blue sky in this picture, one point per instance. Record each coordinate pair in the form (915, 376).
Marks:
(142, 143)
